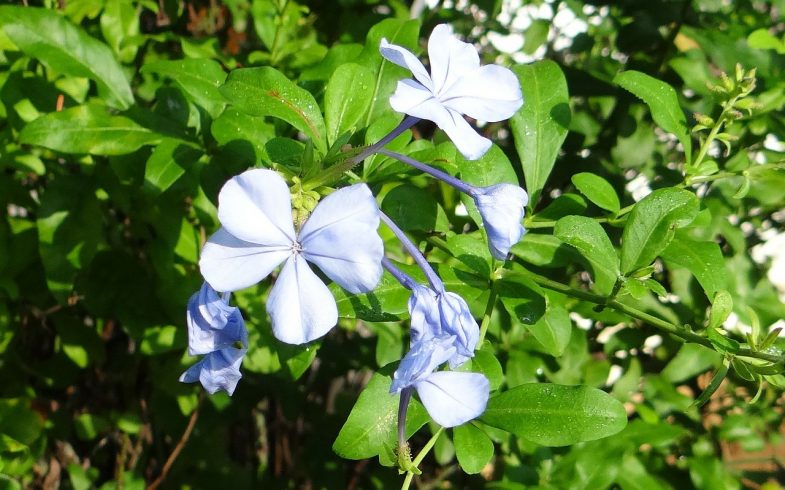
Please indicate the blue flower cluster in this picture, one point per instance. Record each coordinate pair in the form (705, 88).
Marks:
(340, 237)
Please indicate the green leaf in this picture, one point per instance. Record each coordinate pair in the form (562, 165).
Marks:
(372, 423)
(387, 302)
(88, 129)
(553, 330)
(715, 382)
(652, 224)
(543, 250)
(120, 25)
(556, 415)
(347, 98)
(590, 240)
(412, 208)
(267, 92)
(598, 190)
(663, 103)
(167, 163)
(201, 79)
(721, 308)
(540, 126)
(47, 36)
(243, 135)
(70, 230)
(162, 339)
(473, 447)
(404, 33)
(702, 258)
(521, 297)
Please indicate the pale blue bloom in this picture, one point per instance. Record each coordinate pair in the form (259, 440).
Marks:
(451, 398)
(456, 85)
(217, 330)
(502, 207)
(258, 234)
(443, 313)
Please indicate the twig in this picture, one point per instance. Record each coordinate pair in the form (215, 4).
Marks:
(179, 447)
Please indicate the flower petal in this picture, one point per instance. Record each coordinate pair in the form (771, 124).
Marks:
(406, 59)
(502, 207)
(424, 312)
(491, 93)
(340, 237)
(229, 263)
(421, 360)
(300, 305)
(212, 323)
(450, 58)
(255, 206)
(408, 96)
(454, 398)
(457, 320)
(219, 370)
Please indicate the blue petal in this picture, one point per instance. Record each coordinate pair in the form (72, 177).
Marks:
(453, 398)
(300, 305)
(340, 237)
(256, 207)
(229, 263)
(421, 360)
(502, 207)
(457, 320)
(212, 323)
(219, 370)
(424, 312)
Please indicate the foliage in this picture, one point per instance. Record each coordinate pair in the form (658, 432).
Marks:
(627, 340)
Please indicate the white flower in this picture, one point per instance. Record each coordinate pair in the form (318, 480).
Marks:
(457, 85)
(257, 235)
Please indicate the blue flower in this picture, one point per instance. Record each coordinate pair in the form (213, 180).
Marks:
(451, 398)
(257, 235)
(434, 314)
(217, 330)
(502, 207)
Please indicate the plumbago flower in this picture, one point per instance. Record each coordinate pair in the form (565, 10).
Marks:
(450, 397)
(257, 235)
(435, 314)
(456, 85)
(217, 330)
(502, 207)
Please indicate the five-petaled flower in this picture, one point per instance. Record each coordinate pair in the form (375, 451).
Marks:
(456, 85)
(257, 234)
(217, 330)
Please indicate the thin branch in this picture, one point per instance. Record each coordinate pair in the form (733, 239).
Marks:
(179, 447)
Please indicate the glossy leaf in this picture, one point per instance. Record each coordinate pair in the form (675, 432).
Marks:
(652, 224)
(556, 415)
(662, 101)
(266, 91)
(540, 126)
(201, 79)
(47, 36)
(347, 98)
(553, 330)
(88, 129)
(372, 422)
(703, 258)
(473, 447)
(598, 190)
(590, 240)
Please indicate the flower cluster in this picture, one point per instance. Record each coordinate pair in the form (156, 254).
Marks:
(340, 238)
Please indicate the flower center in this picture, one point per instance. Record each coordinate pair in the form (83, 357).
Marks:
(296, 248)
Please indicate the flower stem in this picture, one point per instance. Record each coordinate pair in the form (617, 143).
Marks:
(486, 317)
(433, 279)
(443, 176)
(403, 407)
(420, 456)
(682, 332)
(402, 277)
(335, 172)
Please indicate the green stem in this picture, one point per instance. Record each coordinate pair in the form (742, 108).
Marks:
(486, 317)
(420, 456)
(659, 323)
